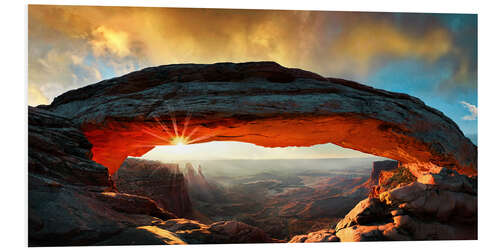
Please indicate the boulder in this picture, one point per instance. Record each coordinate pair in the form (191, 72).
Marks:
(444, 207)
(238, 232)
(325, 235)
(222, 232)
(367, 210)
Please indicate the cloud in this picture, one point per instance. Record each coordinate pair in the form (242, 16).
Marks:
(339, 44)
(35, 97)
(55, 71)
(108, 41)
(472, 109)
(364, 44)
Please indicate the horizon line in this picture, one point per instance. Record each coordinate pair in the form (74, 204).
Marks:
(252, 159)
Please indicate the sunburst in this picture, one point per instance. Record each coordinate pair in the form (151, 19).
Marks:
(179, 141)
(174, 137)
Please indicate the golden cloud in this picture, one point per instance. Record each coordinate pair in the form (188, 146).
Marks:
(330, 43)
(35, 97)
(109, 41)
(365, 42)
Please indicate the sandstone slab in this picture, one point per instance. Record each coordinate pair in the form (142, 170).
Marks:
(261, 103)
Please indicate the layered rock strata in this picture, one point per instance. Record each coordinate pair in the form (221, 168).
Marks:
(164, 183)
(262, 103)
(441, 205)
(72, 200)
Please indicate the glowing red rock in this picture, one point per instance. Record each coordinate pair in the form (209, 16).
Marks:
(261, 103)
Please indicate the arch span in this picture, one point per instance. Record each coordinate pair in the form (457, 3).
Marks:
(261, 103)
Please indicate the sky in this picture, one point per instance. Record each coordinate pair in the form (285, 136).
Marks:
(429, 56)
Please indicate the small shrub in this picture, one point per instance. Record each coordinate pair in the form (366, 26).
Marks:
(402, 176)
(391, 179)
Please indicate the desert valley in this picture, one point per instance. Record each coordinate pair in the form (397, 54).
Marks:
(307, 196)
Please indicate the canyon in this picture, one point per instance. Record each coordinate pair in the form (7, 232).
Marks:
(164, 183)
(78, 143)
(308, 194)
(282, 201)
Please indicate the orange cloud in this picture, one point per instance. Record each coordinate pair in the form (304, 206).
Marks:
(339, 44)
(164, 35)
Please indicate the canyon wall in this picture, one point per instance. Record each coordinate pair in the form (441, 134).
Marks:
(71, 199)
(164, 183)
(199, 188)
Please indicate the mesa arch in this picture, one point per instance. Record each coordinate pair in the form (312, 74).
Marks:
(261, 103)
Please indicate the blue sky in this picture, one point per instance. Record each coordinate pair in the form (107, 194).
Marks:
(430, 56)
(412, 77)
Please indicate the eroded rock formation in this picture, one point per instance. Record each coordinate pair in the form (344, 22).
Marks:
(57, 149)
(378, 167)
(86, 134)
(325, 235)
(164, 183)
(199, 188)
(441, 205)
(72, 201)
(184, 231)
(261, 103)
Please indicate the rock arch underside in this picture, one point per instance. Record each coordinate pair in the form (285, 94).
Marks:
(84, 135)
(265, 104)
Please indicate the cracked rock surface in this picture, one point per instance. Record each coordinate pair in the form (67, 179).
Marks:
(433, 210)
(262, 103)
(73, 202)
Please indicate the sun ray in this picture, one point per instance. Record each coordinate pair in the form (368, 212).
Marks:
(174, 123)
(163, 126)
(186, 123)
(178, 139)
(145, 145)
(192, 132)
(171, 111)
(202, 138)
(155, 135)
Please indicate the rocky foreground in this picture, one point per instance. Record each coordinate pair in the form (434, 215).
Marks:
(72, 200)
(85, 134)
(439, 206)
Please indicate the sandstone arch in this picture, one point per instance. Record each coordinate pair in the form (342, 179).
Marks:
(261, 103)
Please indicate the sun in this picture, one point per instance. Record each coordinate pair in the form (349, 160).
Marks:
(175, 137)
(179, 141)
